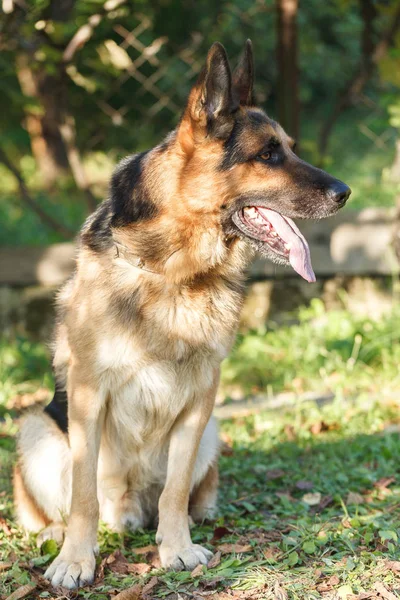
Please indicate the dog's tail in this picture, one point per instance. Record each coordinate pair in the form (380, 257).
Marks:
(43, 474)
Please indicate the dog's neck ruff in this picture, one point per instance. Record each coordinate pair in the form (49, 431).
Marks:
(136, 261)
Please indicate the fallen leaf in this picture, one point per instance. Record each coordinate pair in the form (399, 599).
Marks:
(151, 554)
(150, 585)
(4, 526)
(238, 548)
(117, 563)
(393, 565)
(312, 499)
(355, 498)
(214, 561)
(346, 524)
(4, 566)
(220, 532)
(22, 592)
(153, 559)
(303, 484)
(211, 584)
(145, 549)
(131, 593)
(384, 482)
(382, 591)
(100, 571)
(323, 587)
(197, 571)
(317, 574)
(139, 568)
(275, 473)
(328, 584)
(272, 552)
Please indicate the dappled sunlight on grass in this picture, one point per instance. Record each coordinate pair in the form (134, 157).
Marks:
(333, 351)
(309, 503)
(310, 494)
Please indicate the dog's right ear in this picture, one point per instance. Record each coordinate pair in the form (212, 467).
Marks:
(211, 102)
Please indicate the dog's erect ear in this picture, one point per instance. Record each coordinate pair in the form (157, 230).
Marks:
(211, 102)
(243, 77)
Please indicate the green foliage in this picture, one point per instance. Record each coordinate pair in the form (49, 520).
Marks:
(325, 351)
(309, 496)
(301, 508)
(24, 366)
(96, 82)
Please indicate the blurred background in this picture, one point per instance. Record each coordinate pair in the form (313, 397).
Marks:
(84, 83)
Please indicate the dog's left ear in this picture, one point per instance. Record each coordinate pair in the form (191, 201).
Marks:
(211, 103)
(243, 77)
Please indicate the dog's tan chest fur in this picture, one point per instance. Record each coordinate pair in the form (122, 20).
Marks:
(150, 347)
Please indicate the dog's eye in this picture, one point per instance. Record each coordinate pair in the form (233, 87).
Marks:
(265, 156)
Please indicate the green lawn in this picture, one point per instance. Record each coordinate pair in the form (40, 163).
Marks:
(310, 496)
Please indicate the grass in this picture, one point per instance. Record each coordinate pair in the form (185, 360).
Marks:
(327, 352)
(310, 496)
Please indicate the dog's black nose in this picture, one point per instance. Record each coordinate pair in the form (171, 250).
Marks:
(339, 192)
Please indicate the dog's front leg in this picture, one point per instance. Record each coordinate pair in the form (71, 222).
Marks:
(75, 565)
(173, 536)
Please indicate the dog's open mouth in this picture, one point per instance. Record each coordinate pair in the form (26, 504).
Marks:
(280, 234)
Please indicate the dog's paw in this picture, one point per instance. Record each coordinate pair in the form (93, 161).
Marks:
(72, 570)
(55, 531)
(184, 559)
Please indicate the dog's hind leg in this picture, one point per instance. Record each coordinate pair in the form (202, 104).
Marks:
(203, 496)
(203, 499)
(42, 477)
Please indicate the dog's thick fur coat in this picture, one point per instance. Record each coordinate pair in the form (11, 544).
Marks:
(145, 322)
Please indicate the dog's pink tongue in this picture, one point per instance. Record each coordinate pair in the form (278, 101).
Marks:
(299, 254)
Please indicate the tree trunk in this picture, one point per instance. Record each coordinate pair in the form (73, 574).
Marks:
(42, 120)
(288, 72)
(50, 93)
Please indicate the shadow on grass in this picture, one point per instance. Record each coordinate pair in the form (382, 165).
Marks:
(308, 509)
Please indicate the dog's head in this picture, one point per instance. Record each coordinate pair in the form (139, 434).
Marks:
(261, 183)
(228, 177)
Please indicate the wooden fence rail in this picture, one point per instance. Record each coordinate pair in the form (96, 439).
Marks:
(352, 243)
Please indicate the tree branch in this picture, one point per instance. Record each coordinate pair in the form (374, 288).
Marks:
(47, 219)
(85, 32)
(80, 38)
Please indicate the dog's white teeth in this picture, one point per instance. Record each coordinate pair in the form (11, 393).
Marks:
(288, 246)
(252, 212)
(274, 233)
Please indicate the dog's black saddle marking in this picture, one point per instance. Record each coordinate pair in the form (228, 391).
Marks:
(58, 408)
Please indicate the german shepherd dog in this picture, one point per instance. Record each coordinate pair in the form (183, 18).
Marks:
(149, 315)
